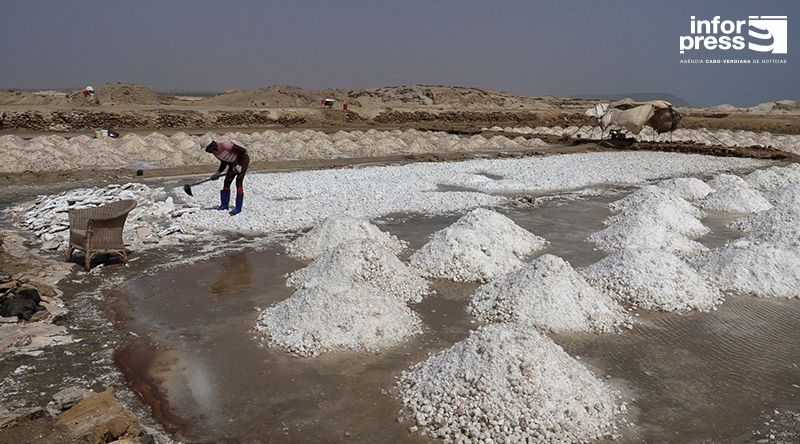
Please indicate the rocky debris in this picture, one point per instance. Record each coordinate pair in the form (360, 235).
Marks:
(338, 229)
(249, 118)
(78, 119)
(34, 279)
(66, 398)
(777, 427)
(341, 315)
(653, 280)
(366, 262)
(688, 188)
(476, 117)
(761, 265)
(150, 223)
(506, 383)
(550, 295)
(13, 418)
(480, 246)
(21, 302)
(98, 419)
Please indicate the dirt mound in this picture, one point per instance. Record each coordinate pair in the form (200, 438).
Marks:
(110, 94)
(49, 97)
(274, 96)
(447, 96)
(288, 96)
(130, 94)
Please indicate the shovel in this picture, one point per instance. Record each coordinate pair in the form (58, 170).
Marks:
(188, 187)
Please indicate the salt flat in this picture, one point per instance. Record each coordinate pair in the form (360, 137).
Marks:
(277, 202)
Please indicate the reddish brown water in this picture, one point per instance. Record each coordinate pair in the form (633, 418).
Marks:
(696, 377)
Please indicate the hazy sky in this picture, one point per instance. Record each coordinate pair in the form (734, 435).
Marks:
(526, 47)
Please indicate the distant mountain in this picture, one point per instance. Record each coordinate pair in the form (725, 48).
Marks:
(644, 96)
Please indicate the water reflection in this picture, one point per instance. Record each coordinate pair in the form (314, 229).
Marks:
(235, 274)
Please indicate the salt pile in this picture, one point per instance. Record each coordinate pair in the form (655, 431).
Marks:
(643, 233)
(279, 202)
(735, 199)
(479, 246)
(506, 383)
(688, 188)
(337, 229)
(650, 194)
(653, 280)
(652, 218)
(366, 262)
(774, 177)
(152, 223)
(778, 219)
(722, 181)
(662, 213)
(547, 294)
(786, 195)
(338, 316)
(755, 265)
(784, 142)
(155, 150)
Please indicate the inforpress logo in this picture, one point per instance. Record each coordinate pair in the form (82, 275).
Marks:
(757, 33)
(768, 34)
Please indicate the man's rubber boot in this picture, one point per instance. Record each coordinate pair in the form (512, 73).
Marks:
(225, 200)
(238, 208)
